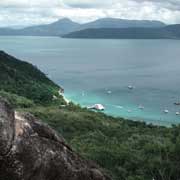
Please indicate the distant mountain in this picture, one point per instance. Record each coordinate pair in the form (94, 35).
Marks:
(7, 31)
(54, 29)
(121, 23)
(65, 26)
(167, 32)
(173, 29)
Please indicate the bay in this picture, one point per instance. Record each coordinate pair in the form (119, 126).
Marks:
(100, 71)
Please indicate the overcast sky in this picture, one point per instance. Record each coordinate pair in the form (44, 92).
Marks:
(28, 12)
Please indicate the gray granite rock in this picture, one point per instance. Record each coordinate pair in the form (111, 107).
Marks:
(31, 150)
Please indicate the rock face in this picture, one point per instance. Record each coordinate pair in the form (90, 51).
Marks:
(31, 150)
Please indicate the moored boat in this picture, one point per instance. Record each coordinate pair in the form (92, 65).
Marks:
(131, 87)
(166, 111)
(98, 107)
(177, 103)
(141, 107)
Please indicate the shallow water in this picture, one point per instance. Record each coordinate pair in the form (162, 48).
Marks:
(88, 69)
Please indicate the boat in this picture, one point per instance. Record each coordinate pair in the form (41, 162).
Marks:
(141, 107)
(177, 103)
(109, 92)
(98, 107)
(131, 87)
(177, 113)
(166, 111)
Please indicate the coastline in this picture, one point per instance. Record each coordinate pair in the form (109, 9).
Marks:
(116, 112)
(66, 100)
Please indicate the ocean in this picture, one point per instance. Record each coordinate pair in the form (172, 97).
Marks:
(99, 71)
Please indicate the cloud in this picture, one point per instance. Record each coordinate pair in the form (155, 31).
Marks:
(168, 4)
(88, 3)
(29, 12)
(29, 3)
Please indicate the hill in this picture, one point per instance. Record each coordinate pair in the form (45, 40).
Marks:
(64, 26)
(23, 79)
(167, 32)
(121, 23)
(125, 149)
(54, 29)
(57, 28)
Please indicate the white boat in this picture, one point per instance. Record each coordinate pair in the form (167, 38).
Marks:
(166, 111)
(177, 113)
(141, 107)
(130, 87)
(98, 107)
(109, 92)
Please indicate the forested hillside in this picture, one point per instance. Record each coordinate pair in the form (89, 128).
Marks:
(23, 79)
(125, 149)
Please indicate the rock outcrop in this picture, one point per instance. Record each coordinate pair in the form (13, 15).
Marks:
(31, 150)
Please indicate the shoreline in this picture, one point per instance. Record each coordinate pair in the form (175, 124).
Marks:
(155, 122)
(66, 100)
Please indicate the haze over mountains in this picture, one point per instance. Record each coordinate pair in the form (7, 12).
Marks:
(57, 28)
(65, 26)
(107, 28)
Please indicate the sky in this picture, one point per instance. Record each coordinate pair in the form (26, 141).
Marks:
(32, 12)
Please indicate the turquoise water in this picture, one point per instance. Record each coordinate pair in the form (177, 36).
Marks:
(88, 69)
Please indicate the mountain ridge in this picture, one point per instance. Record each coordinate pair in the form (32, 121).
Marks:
(65, 26)
(166, 32)
(121, 23)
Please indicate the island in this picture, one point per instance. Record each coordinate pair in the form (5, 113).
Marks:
(167, 32)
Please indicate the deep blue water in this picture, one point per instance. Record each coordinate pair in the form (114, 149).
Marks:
(88, 69)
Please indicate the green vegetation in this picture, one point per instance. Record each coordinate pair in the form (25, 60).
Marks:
(17, 101)
(23, 79)
(126, 150)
